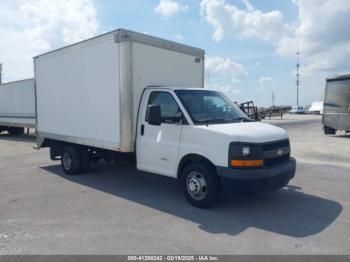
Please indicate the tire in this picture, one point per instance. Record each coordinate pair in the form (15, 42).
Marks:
(329, 131)
(16, 131)
(71, 160)
(201, 185)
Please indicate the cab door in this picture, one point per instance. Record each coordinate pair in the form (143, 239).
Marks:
(157, 146)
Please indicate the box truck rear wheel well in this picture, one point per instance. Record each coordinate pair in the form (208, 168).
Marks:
(90, 154)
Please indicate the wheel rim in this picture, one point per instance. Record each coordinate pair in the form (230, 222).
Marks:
(196, 185)
(67, 161)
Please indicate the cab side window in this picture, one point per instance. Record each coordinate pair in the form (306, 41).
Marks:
(171, 113)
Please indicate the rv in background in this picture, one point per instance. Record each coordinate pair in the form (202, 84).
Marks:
(17, 106)
(297, 110)
(336, 109)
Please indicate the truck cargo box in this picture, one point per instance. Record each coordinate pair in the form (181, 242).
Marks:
(336, 111)
(17, 104)
(88, 93)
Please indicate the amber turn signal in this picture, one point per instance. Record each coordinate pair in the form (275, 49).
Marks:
(247, 163)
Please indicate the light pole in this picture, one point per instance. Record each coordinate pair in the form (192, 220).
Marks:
(0, 73)
(298, 77)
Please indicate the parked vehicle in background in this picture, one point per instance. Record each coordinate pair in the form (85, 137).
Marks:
(17, 106)
(250, 110)
(316, 108)
(126, 95)
(336, 110)
(297, 110)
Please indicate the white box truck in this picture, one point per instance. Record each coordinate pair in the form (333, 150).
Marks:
(17, 106)
(336, 109)
(126, 95)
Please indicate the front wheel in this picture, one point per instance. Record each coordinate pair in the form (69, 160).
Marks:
(201, 185)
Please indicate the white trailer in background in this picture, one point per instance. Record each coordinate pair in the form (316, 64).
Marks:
(316, 108)
(17, 106)
(336, 111)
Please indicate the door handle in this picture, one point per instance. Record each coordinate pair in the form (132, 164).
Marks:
(142, 129)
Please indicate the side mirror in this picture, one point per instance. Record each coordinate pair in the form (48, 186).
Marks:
(179, 118)
(154, 115)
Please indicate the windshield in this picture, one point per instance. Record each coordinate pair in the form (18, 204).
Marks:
(207, 107)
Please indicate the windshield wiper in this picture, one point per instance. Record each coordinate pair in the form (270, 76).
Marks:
(213, 121)
(223, 120)
(242, 119)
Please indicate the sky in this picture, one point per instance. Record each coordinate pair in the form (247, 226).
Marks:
(250, 45)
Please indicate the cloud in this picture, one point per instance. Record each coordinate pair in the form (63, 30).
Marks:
(168, 8)
(228, 19)
(323, 36)
(178, 37)
(228, 89)
(265, 80)
(36, 26)
(225, 67)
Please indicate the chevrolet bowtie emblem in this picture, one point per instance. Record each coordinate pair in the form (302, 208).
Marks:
(280, 152)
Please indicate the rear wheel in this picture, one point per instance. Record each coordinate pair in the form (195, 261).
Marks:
(201, 185)
(328, 130)
(15, 131)
(71, 160)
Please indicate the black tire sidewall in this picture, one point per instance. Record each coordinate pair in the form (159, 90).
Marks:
(76, 167)
(212, 180)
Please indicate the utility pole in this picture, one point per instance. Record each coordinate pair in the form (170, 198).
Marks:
(298, 76)
(273, 99)
(0, 73)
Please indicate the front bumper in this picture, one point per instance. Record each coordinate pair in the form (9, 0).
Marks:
(285, 170)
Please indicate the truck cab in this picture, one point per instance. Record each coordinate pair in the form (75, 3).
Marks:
(198, 136)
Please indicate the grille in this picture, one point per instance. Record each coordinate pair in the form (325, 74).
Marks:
(275, 145)
(276, 160)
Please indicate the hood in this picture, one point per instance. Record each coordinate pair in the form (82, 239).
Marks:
(251, 132)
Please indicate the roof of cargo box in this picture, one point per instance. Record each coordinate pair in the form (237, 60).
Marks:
(338, 77)
(180, 88)
(16, 81)
(123, 35)
(176, 88)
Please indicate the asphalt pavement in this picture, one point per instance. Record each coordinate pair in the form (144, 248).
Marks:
(115, 209)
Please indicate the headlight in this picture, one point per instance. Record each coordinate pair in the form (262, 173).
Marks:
(245, 150)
